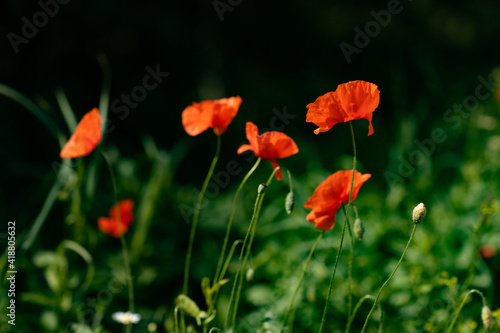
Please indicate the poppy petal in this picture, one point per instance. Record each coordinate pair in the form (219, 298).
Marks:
(276, 145)
(194, 120)
(358, 100)
(125, 208)
(110, 226)
(86, 137)
(216, 114)
(350, 101)
(269, 146)
(330, 194)
(279, 173)
(244, 148)
(225, 109)
(323, 221)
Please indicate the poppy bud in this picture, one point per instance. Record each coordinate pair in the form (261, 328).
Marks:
(487, 317)
(290, 202)
(262, 188)
(250, 273)
(359, 229)
(187, 305)
(419, 213)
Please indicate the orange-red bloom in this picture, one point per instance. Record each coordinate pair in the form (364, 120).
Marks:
(216, 114)
(86, 137)
(269, 146)
(330, 194)
(352, 100)
(109, 225)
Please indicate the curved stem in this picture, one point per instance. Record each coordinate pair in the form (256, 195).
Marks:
(126, 259)
(356, 308)
(343, 233)
(300, 281)
(238, 279)
(390, 277)
(195, 217)
(462, 305)
(219, 275)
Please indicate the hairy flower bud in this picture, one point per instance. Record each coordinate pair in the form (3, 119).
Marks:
(487, 316)
(290, 202)
(262, 188)
(419, 213)
(359, 229)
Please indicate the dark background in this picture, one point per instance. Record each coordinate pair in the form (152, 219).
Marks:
(272, 54)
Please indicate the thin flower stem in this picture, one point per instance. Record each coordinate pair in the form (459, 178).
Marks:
(300, 281)
(390, 277)
(351, 258)
(195, 216)
(126, 259)
(245, 249)
(356, 308)
(325, 310)
(219, 275)
(462, 305)
(176, 321)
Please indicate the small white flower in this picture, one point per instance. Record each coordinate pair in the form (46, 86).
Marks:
(126, 317)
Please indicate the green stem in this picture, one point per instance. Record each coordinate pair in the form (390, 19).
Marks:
(390, 277)
(219, 275)
(325, 310)
(300, 280)
(195, 217)
(238, 280)
(126, 259)
(351, 258)
(356, 308)
(462, 305)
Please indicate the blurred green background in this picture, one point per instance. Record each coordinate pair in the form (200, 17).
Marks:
(278, 56)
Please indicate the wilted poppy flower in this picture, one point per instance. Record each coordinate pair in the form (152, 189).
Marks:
(216, 114)
(269, 146)
(86, 137)
(330, 194)
(352, 100)
(109, 225)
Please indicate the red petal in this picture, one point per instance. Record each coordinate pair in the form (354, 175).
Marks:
(350, 101)
(110, 226)
(276, 145)
(194, 120)
(125, 208)
(225, 109)
(86, 137)
(330, 194)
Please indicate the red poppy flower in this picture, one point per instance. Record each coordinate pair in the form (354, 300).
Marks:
(109, 225)
(86, 137)
(216, 114)
(269, 146)
(330, 194)
(352, 100)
